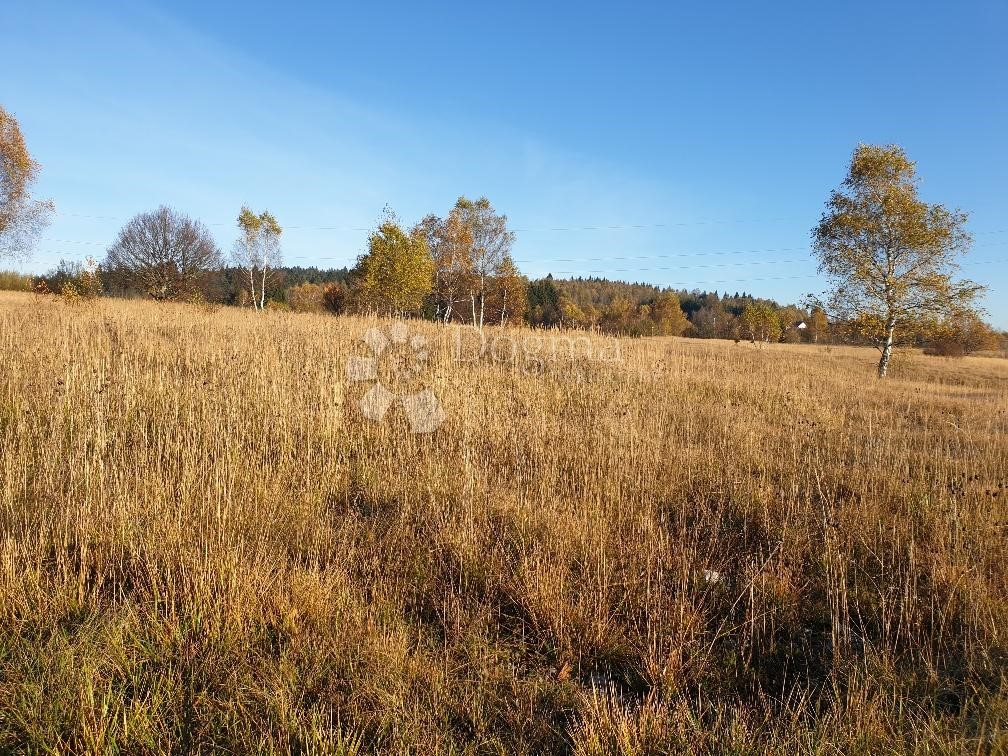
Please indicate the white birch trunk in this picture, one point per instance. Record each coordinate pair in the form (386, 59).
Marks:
(887, 347)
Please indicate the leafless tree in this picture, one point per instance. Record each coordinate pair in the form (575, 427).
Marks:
(163, 253)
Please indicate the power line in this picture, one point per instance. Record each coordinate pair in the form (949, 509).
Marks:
(542, 229)
(739, 280)
(600, 227)
(611, 258)
(581, 272)
(560, 259)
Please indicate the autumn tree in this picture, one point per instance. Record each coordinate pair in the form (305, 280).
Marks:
(573, 316)
(336, 298)
(257, 251)
(164, 254)
(961, 335)
(618, 317)
(449, 241)
(890, 258)
(761, 322)
(791, 319)
(818, 325)
(508, 293)
(490, 248)
(668, 316)
(306, 297)
(397, 273)
(22, 218)
(711, 320)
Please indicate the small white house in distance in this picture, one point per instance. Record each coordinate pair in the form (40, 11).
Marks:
(801, 326)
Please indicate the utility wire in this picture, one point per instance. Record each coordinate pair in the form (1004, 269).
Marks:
(558, 229)
(611, 258)
(600, 227)
(581, 272)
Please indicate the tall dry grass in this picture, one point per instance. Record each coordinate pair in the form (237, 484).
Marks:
(14, 281)
(665, 545)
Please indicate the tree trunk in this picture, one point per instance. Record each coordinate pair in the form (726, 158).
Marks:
(887, 347)
(482, 298)
(262, 290)
(503, 307)
(255, 305)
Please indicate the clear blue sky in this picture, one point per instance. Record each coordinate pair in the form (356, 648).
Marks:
(711, 134)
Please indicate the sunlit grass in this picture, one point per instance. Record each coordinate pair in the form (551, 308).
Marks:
(650, 544)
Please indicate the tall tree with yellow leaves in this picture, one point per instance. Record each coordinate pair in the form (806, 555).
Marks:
(761, 322)
(667, 313)
(396, 275)
(508, 293)
(818, 325)
(22, 218)
(889, 257)
(449, 242)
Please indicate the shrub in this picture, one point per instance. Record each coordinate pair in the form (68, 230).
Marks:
(335, 298)
(11, 281)
(198, 300)
(74, 280)
(89, 283)
(70, 293)
(958, 337)
(307, 297)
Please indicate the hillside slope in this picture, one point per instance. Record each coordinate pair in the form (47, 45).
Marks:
(603, 546)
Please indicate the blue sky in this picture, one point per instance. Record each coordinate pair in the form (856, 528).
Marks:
(689, 146)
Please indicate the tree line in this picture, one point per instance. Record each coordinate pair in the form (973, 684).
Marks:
(598, 304)
(890, 261)
(453, 269)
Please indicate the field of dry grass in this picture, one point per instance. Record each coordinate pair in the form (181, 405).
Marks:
(648, 546)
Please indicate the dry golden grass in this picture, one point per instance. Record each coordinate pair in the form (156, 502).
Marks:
(666, 545)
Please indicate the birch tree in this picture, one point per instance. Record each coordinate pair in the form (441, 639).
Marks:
(490, 248)
(890, 258)
(818, 325)
(22, 219)
(508, 293)
(449, 242)
(257, 251)
(761, 322)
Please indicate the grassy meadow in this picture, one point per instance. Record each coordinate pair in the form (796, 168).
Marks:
(607, 547)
